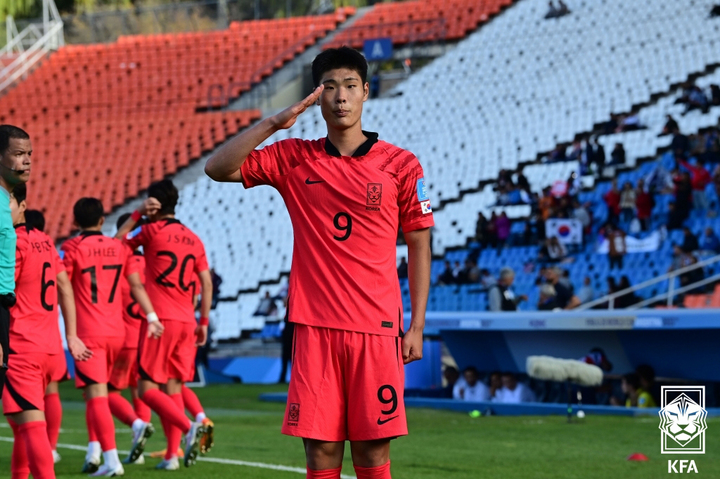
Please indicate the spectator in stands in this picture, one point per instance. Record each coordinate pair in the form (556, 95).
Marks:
(563, 296)
(501, 296)
(457, 269)
(644, 203)
(447, 276)
(680, 144)
(617, 156)
(629, 123)
(683, 194)
(617, 246)
(267, 306)
(495, 383)
(692, 276)
(676, 217)
(556, 251)
(552, 11)
(216, 282)
(472, 389)
(628, 202)
(547, 301)
(680, 259)
(628, 299)
(492, 230)
(502, 226)
(612, 200)
(646, 373)
(696, 100)
(482, 234)
(716, 180)
(715, 11)
(513, 392)
(710, 241)
(699, 179)
(562, 8)
(690, 241)
(486, 278)
(451, 376)
(587, 292)
(522, 181)
(470, 273)
(580, 212)
(598, 156)
(671, 126)
(715, 94)
(402, 268)
(286, 339)
(635, 395)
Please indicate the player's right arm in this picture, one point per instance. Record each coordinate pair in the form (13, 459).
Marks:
(155, 327)
(67, 304)
(206, 293)
(224, 165)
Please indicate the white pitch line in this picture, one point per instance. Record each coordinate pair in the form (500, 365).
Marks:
(233, 462)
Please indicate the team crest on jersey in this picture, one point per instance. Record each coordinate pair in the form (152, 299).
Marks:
(374, 196)
(426, 208)
(293, 414)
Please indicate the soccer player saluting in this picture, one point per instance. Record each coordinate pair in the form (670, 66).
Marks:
(173, 254)
(347, 195)
(95, 265)
(125, 371)
(36, 357)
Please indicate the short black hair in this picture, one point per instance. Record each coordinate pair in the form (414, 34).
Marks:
(20, 192)
(35, 219)
(88, 212)
(7, 132)
(124, 217)
(165, 192)
(632, 379)
(471, 369)
(334, 58)
(646, 372)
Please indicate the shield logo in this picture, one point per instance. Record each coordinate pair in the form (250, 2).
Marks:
(374, 194)
(294, 412)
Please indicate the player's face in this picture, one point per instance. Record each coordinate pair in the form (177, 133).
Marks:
(342, 99)
(16, 161)
(16, 210)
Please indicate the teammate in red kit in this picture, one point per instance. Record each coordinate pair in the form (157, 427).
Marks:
(36, 358)
(125, 370)
(173, 254)
(95, 265)
(347, 195)
(35, 220)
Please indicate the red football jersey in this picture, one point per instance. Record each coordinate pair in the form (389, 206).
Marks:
(133, 315)
(173, 254)
(96, 265)
(34, 318)
(346, 212)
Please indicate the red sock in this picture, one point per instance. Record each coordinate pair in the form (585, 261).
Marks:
(174, 434)
(53, 418)
(92, 434)
(192, 403)
(19, 464)
(142, 410)
(324, 474)
(102, 421)
(121, 408)
(38, 450)
(166, 408)
(380, 472)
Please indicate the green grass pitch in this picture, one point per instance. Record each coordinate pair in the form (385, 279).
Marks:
(440, 445)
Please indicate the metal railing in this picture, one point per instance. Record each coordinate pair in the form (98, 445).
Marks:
(669, 295)
(24, 49)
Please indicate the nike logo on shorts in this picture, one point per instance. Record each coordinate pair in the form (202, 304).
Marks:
(310, 182)
(381, 421)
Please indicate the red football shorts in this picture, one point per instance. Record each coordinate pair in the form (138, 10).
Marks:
(170, 357)
(345, 386)
(125, 370)
(59, 370)
(26, 379)
(97, 369)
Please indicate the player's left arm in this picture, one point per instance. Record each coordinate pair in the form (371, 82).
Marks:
(206, 291)
(66, 299)
(419, 261)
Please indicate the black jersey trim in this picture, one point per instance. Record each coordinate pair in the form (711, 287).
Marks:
(362, 150)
